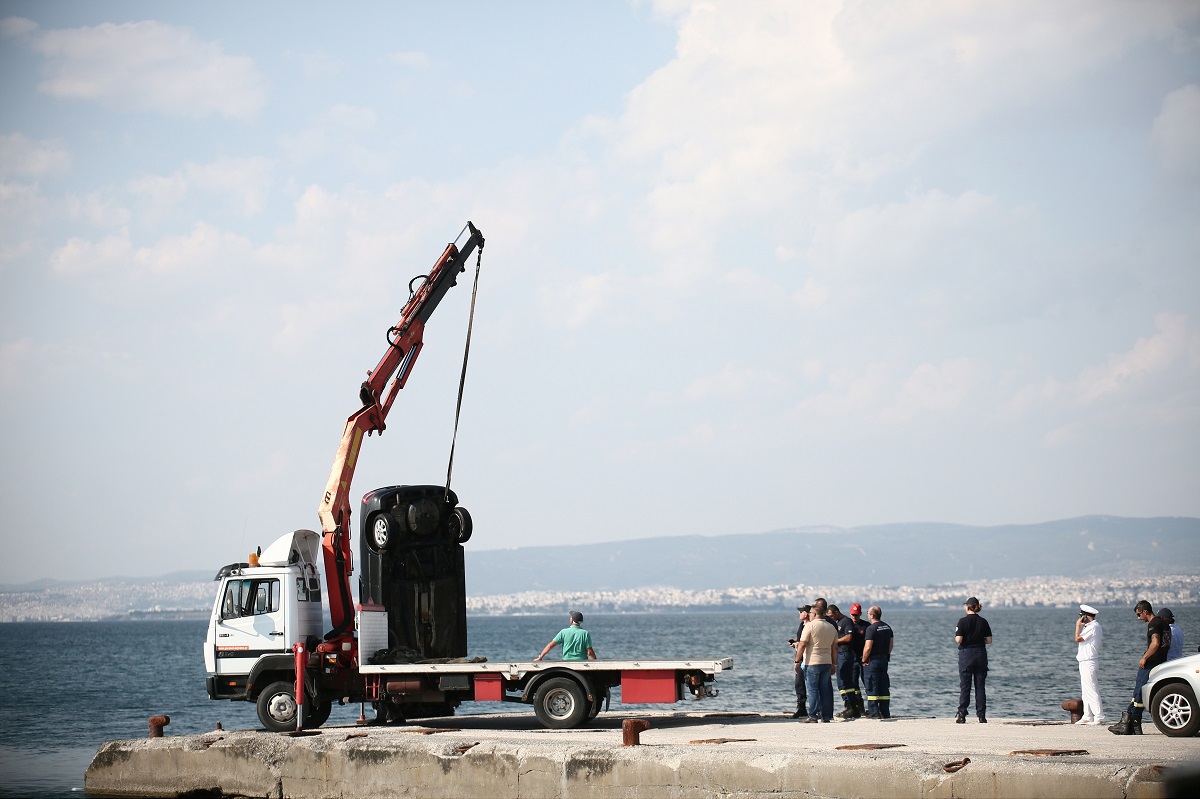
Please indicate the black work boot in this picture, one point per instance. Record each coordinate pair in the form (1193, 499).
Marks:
(1135, 726)
(960, 718)
(1124, 726)
(800, 710)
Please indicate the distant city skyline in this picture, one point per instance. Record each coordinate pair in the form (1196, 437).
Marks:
(748, 266)
(111, 599)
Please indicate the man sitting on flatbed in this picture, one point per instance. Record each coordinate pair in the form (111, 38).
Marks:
(576, 641)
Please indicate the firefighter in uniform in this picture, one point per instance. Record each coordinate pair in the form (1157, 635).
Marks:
(877, 652)
(849, 665)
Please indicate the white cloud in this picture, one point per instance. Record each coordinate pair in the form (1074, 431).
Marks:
(22, 208)
(97, 209)
(203, 251)
(780, 114)
(206, 250)
(934, 388)
(14, 355)
(246, 180)
(13, 27)
(149, 66)
(734, 381)
(337, 134)
(1176, 132)
(1176, 345)
(22, 157)
(413, 59)
(573, 302)
(81, 257)
(1153, 369)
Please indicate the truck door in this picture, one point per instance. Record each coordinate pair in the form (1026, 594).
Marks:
(250, 624)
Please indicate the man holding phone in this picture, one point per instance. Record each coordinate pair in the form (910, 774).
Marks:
(1089, 635)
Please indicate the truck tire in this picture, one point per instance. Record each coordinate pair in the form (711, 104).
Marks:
(277, 707)
(597, 705)
(1173, 708)
(380, 531)
(319, 714)
(560, 703)
(461, 526)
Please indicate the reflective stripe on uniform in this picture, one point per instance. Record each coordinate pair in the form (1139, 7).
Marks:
(878, 698)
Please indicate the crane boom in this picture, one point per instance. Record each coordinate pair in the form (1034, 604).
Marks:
(405, 340)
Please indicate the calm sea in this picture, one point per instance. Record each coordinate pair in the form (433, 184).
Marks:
(67, 688)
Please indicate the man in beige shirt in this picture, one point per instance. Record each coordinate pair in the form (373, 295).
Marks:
(819, 641)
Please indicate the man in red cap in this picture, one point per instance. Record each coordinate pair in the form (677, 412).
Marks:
(851, 637)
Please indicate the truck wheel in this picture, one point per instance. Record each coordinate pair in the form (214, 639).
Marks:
(1174, 710)
(319, 714)
(596, 706)
(277, 707)
(461, 526)
(560, 704)
(380, 531)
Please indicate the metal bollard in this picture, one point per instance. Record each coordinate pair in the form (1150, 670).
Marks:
(1074, 707)
(156, 725)
(631, 730)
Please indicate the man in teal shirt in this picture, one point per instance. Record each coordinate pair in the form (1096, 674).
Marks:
(576, 641)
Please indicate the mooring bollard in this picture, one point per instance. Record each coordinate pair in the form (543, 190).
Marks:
(631, 730)
(156, 725)
(1074, 707)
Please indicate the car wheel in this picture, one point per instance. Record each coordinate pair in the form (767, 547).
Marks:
(461, 526)
(1173, 708)
(380, 532)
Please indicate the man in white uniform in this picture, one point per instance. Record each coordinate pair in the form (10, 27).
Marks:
(1089, 635)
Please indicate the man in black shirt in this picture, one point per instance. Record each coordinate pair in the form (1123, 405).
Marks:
(973, 635)
(801, 687)
(1131, 719)
(849, 666)
(877, 651)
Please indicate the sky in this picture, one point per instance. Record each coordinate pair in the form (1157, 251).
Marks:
(749, 266)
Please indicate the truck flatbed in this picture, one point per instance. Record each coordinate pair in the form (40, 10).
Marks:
(515, 670)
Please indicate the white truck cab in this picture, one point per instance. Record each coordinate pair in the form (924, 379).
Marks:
(261, 609)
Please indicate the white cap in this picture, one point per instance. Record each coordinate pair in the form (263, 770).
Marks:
(1088, 609)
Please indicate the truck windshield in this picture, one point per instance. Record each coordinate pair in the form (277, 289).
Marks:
(250, 598)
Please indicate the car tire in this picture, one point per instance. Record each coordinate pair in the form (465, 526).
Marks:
(461, 526)
(1174, 710)
(380, 531)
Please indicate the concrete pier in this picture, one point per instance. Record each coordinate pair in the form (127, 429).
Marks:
(682, 755)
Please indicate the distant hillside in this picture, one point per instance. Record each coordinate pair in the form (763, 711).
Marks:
(892, 554)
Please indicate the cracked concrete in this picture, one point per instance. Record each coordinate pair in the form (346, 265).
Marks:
(508, 755)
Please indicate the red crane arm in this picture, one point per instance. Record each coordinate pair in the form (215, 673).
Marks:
(405, 340)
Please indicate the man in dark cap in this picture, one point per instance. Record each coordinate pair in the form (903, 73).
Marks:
(801, 683)
(576, 641)
(973, 635)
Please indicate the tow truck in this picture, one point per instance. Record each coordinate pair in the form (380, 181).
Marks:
(403, 646)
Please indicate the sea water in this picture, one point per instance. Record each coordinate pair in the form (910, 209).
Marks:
(65, 688)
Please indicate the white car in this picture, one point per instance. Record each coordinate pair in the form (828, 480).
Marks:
(1171, 693)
